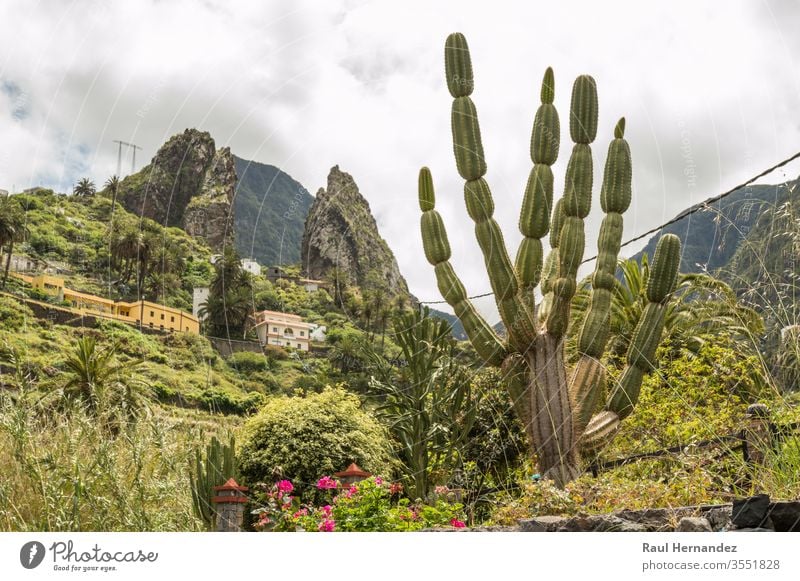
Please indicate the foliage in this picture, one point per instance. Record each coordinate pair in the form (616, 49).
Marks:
(427, 401)
(63, 473)
(228, 306)
(249, 362)
(99, 382)
(84, 188)
(305, 437)
(370, 505)
(210, 470)
(700, 309)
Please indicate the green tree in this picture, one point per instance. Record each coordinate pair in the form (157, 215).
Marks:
(701, 307)
(426, 400)
(230, 297)
(305, 438)
(96, 379)
(12, 230)
(112, 187)
(84, 188)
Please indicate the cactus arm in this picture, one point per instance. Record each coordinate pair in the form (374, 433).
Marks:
(576, 203)
(471, 164)
(537, 203)
(641, 352)
(588, 379)
(437, 250)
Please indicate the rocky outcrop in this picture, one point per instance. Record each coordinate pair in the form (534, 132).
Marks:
(341, 237)
(209, 215)
(188, 184)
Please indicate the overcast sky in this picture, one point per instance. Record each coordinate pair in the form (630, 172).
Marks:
(710, 91)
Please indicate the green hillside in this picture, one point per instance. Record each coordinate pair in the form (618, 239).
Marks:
(270, 210)
(711, 236)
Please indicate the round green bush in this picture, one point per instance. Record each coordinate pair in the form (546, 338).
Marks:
(309, 437)
(247, 362)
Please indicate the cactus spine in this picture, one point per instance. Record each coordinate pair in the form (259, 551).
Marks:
(559, 413)
(218, 465)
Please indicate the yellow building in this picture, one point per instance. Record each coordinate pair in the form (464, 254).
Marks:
(140, 313)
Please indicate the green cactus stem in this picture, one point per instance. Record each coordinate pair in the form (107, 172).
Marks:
(559, 413)
(218, 465)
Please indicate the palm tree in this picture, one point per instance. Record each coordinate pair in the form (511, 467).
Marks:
(84, 188)
(12, 229)
(112, 185)
(700, 307)
(96, 379)
(230, 299)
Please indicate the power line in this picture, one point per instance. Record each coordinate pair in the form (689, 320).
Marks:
(702, 206)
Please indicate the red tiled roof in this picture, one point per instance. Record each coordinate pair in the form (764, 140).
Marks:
(353, 470)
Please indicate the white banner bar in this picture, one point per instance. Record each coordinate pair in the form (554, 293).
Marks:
(390, 556)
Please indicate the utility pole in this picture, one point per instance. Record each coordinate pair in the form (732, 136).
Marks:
(119, 155)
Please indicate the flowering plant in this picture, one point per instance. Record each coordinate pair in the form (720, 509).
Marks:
(369, 505)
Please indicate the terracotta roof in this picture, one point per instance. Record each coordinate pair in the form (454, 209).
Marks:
(231, 484)
(353, 470)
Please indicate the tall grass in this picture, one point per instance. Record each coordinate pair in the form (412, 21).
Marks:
(63, 472)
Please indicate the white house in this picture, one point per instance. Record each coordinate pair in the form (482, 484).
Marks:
(248, 264)
(251, 266)
(199, 296)
(282, 330)
(318, 333)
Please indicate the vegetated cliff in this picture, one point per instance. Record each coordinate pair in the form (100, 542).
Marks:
(341, 239)
(270, 209)
(711, 237)
(189, 184)
(750, 240)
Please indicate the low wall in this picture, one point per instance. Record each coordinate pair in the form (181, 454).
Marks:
(227, 347)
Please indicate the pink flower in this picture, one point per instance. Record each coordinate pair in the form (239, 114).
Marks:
(378, 481)
(301, 512)
(326, 483)
(326, 510)
(454, 522)
(441, 490)
(327, 526)
(284, 486)
(264, 520)
(395, 488)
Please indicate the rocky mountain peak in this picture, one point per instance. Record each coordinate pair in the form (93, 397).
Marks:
(341, 235)
(188, 184)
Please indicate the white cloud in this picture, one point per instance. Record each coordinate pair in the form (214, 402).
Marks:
(307, 85)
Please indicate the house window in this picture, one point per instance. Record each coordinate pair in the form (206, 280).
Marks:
(162, 316)
(172, 319)
(274, 329)
(161, 327)
(151, 325)
(187, 329)
(152, 314)
(299, 346)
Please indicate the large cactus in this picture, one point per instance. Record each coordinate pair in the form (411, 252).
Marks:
(561, 408)
(215, 469)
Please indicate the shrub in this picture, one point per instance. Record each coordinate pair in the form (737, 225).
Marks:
(371, 505)
(248, 362)
(276, 353)
(13, 314)
(306, 437)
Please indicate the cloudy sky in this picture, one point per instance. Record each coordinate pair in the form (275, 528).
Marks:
(710, 92)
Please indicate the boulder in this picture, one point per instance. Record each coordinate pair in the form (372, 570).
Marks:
(693, 524)
(750, 512)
